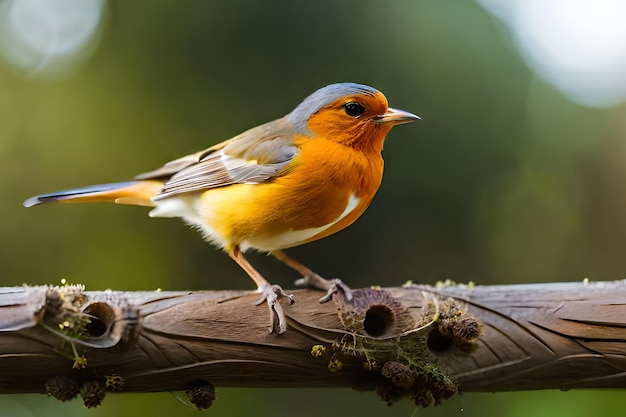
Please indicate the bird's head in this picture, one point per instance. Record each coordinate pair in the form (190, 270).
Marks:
(355, 115)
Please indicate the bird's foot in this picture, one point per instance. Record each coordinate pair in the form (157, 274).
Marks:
(331, 286)
(272, 295)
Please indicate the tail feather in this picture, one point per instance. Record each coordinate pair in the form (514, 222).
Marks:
(138, 193)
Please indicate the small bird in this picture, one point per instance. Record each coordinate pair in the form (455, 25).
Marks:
(284, 183)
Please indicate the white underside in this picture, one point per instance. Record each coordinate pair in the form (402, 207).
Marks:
(184, 207)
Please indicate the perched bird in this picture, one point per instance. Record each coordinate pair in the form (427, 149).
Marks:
(287, 182)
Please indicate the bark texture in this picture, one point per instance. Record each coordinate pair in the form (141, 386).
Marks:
(415, 341)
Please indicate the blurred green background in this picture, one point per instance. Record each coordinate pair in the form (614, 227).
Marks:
(504, 180)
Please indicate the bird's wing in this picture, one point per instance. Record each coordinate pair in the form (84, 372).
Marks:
(254, 156)
(172, 167)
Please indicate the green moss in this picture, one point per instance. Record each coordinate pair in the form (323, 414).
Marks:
(396, 344)
(63, 315)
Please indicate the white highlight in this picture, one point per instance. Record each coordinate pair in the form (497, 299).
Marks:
(49, 37)
(578, 46)
(177, 206)
(294, 237)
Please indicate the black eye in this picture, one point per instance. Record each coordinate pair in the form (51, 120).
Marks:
(353, 109)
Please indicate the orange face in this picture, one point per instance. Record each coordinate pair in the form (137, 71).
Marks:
(353, 121)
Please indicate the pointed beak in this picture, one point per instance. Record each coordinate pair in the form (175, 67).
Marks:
(395, 117)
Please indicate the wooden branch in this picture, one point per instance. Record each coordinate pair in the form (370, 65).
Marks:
(417, 341)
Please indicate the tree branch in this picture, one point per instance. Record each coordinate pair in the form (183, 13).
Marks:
(417, 341)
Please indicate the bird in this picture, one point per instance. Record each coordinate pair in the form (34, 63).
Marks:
(278, 185)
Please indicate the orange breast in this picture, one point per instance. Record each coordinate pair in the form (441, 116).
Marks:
(299, 206)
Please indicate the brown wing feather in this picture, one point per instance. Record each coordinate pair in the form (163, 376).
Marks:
(172, 167)
(251, 157)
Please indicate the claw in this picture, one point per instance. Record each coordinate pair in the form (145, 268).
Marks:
(337, 286)
(331, 286)
(272, 295)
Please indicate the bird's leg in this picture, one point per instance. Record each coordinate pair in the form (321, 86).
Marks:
(271, 293)
(311, 279)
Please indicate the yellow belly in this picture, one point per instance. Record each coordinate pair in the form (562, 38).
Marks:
(270, 216)
(285, 211)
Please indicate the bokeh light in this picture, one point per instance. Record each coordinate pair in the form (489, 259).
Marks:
(49, 38)
(578, 46)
